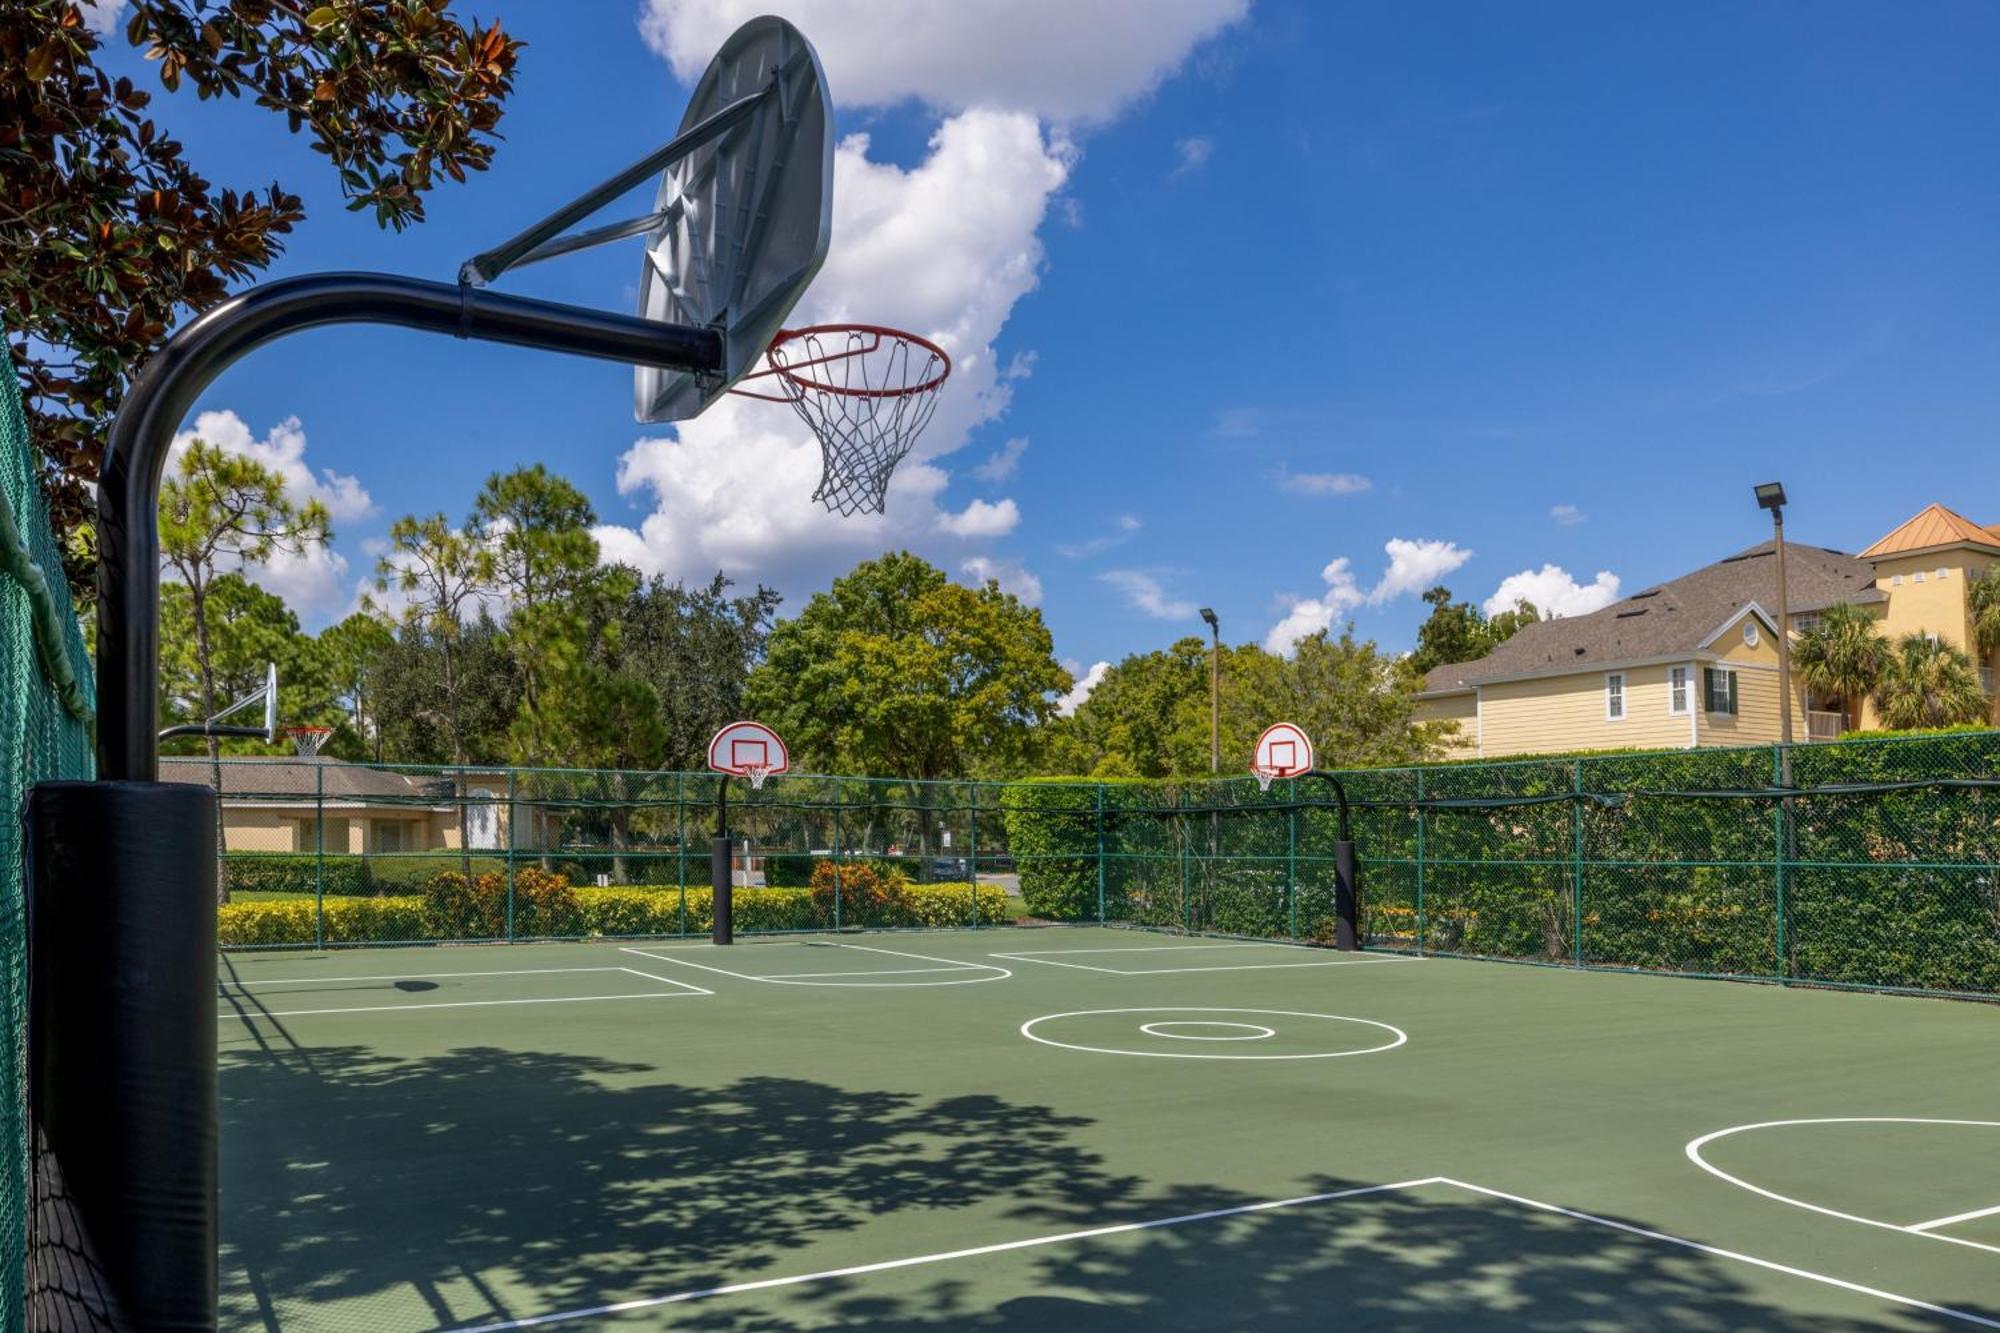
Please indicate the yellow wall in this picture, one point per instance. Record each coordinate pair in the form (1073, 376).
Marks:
(348, 831)
(1935, 606)
(1462, 709)
(1556, 713)
(1755, 721)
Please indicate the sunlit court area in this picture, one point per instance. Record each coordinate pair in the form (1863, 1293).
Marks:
(747, 665)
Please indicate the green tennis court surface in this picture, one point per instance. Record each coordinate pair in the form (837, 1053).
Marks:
(1093, 1129)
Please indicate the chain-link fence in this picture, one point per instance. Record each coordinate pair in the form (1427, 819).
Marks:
(1865, 863)
(45, 721)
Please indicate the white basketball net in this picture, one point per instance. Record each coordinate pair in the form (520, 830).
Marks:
(1264, 776)
(308, 740)
(756, 773)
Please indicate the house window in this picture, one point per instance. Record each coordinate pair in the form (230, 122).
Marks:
(1679, 691)
(1749, 634)
(1897, 580)
(1942, 572)
(1718, 690)
(1807, 623)
(388, 835)
(1918, 577)
(1614, 697)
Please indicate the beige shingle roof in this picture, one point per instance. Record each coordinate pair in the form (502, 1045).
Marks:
(1933, 526)
(281, 779)
(1671, 619)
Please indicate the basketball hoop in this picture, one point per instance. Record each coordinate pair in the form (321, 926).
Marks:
(866, 391)
(756, 773)
(748, 750)
(1283, 751)
(308, 740)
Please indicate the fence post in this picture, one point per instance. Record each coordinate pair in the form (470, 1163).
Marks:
(1420, 862)
(681, 847)
(1100, 854)
(972, 853)
(511, 843)
(319, 856)
(1181, 837)
(839, 849)
(1576, 864)
(1292, 861)
(1779, 864)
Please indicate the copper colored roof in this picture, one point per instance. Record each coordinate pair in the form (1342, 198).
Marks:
(1934, 526)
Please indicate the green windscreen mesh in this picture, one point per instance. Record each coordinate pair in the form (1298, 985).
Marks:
(45, 732)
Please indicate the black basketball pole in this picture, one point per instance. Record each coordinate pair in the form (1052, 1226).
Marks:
(140, 1173)
(721, 870)
(1346, 870)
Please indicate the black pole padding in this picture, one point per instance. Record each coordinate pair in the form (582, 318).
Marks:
(1346, 897)
(122, 1064)
(721, 876)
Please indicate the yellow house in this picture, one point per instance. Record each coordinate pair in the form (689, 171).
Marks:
(277, 805)
(1694, 661)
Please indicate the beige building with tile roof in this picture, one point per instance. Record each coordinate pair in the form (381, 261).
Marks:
(1694, 661)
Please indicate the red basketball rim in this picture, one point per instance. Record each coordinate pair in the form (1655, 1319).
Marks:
(875, 333)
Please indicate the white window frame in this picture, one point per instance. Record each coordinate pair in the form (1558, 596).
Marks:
(1725, 675)
(1917, 577)
(1896, 581)
(1750, 635)
(1615, 697)
(1942, 571)
(1680, 686)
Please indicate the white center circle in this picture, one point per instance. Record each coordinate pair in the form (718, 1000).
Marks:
(1388, 1038)
(1256, 1032)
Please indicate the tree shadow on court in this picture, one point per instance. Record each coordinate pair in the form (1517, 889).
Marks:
(406, 1184)
(363, 1189)
(1435, 1257)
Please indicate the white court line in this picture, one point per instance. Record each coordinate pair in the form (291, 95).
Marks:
(1694, 1147)
(942, 1256)
(1183, 1219)
(1954, 1219)
(254, 1014)
(1965, 1316)
(806, 979)
(414, 976)
(884, 972)
(667, 981)
(1219, 967)
(1160, 948)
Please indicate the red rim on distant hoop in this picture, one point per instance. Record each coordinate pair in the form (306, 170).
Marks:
(862, 339)
(742, 748)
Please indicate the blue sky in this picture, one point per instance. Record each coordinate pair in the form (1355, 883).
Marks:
(1266, 288)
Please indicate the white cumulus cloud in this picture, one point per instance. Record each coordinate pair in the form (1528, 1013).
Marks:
(1011, 575)
(1325, 483)
(1309, 615)
(1054, 58)
(1414, 564)
(1145, 593)
(1123, 529)
(980, 519)
(1566, 515)
(282, 450)
(1067, 705)
(314, 582)
(103, 16)
(1554, 592)
(1002, 462)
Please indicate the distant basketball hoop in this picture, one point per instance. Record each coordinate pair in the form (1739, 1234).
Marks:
(748, 750)
(308, 740)
(1283, 751)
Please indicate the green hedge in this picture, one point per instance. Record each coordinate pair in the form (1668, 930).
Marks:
(621, 910)
(1053, 834)
(290, 872)
(793, 870)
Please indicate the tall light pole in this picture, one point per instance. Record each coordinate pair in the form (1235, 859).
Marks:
(1214, 689)
(1771, 496)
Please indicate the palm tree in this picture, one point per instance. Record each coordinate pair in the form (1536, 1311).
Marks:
(1983, 604)
(1929, 683)
(1842, 657)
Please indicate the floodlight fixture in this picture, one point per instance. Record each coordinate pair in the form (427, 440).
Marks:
(1771, 495)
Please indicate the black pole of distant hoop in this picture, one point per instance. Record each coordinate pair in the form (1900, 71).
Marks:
(721, 869)
(125, 1086)
(1346, 869)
